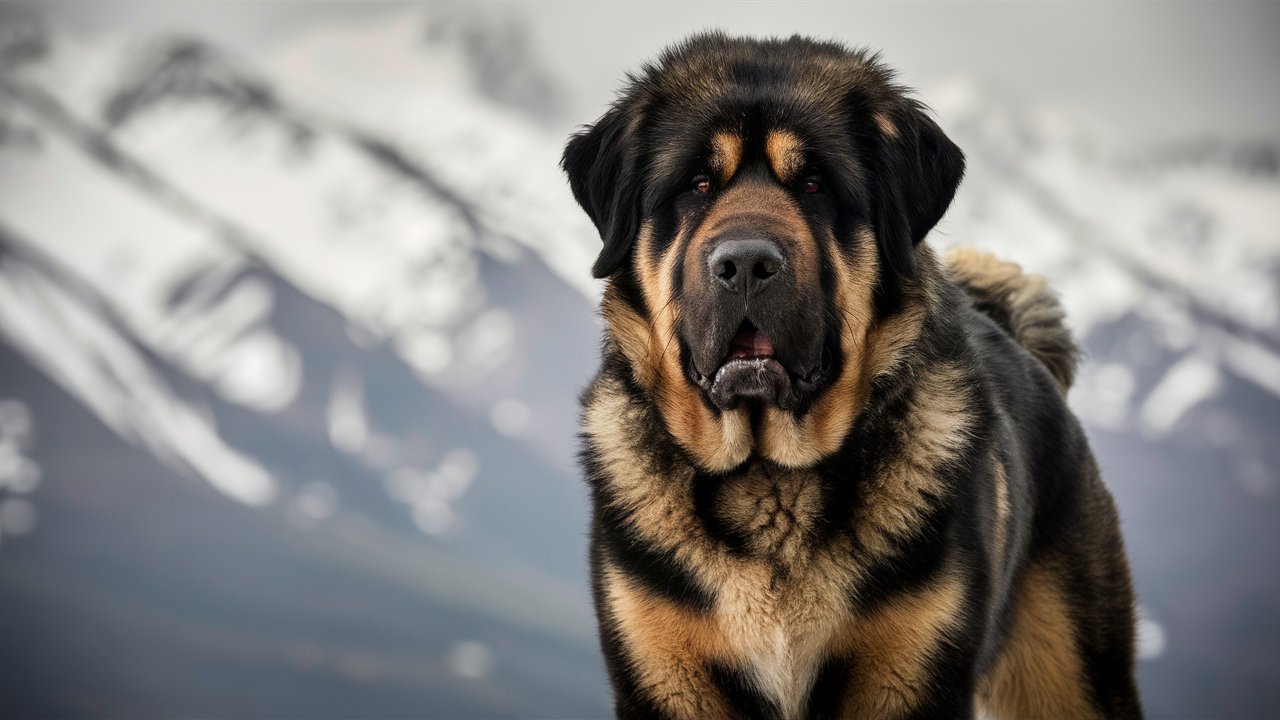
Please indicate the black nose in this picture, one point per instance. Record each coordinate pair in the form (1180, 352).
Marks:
(745, 265)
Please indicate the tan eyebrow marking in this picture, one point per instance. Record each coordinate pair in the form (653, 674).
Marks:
(726, 154)
(786, 154)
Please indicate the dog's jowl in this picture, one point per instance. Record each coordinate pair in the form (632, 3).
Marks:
(833, 473)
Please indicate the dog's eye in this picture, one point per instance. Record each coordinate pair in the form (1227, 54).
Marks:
(701, 184)
(811, 184)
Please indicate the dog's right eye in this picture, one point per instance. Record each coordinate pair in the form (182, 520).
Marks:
(701, 184)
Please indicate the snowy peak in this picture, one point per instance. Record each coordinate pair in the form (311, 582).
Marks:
(192, 262)
(187, 69)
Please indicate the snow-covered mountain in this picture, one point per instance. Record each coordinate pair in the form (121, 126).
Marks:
(290, 350)
(298, 314)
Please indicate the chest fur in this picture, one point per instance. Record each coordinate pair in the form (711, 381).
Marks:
(780, 598)
(759, 571)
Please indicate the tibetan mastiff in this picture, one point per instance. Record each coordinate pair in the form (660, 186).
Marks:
(833, 474)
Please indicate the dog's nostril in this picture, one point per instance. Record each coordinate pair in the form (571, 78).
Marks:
(766, 268)
(726, 270)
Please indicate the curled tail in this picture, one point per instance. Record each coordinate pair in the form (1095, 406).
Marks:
(1022, 304)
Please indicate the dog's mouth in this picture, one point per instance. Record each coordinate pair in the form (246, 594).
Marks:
(749, 343)
(752, 373)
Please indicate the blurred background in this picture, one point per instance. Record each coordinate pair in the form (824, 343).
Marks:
(295, 306)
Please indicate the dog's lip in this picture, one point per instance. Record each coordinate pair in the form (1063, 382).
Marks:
(760, 361)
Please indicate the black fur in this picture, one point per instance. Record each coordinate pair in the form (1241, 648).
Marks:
(745, 700)
(917, 173)
(602, 167)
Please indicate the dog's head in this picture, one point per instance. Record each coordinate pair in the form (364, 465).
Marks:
(761, 203)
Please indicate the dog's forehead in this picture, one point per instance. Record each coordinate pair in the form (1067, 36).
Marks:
(726, 129)
(737, 102)
(710, 64)
(722, 105)
(788, 77)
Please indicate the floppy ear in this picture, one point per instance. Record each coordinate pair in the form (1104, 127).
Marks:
(919, 171)
(602, 168)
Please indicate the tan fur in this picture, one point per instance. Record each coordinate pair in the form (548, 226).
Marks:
(938, 426)
(887, 127)
(920, 297)
(1039, 674)
(631, 333)
(1025, 305)
(786, 154)
(726, 153)
(891, 649)
(777, 621)
(657, 506)
(724, 442)
(1000, 528)
(801, 442)
(766, 209)
(779, 627)
(668, 646)
(781, 615)
(770, 510)
(780, 631)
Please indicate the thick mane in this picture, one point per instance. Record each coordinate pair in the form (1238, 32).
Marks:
(1020, 303)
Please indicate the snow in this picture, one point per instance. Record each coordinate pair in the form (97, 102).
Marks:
(431, 495)
(135, 253)
(1253, 362)
(1152, 639)
(470, 660)
(428, 100)
(86, 354)
(1190, 382)
(348, 424)
(510, 416)
(314, 503)
(1104, 392)
(375, 167)
(20, 474)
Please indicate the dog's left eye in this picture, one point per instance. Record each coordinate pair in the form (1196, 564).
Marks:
(702, 184)
(811, 184)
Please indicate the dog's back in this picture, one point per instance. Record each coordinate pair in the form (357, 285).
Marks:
(1020, 303)
(1063, 645)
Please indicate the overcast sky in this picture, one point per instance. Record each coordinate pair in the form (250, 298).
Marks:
(1150, 70)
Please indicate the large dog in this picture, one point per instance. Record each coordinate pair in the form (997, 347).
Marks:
(832, 474)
